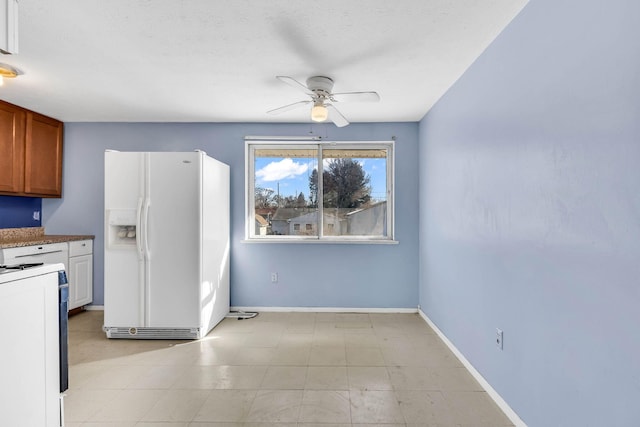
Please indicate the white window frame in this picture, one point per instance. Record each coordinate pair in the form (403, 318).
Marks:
(251, 144)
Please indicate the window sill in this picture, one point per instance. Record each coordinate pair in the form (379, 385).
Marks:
(323, 241)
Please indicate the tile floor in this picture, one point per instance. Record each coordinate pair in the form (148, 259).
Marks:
(278, 369)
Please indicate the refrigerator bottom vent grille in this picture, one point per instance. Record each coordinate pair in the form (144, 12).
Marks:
(153, 333)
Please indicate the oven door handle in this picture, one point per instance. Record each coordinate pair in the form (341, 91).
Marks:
(38, 253)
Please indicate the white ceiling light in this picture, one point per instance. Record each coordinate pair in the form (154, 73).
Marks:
(319, 112)
(7, 71)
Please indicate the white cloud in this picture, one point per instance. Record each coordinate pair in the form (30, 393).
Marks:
(285, 168)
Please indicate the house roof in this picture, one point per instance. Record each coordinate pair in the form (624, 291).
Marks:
(283, 214)
(260, 220)
(371, 206)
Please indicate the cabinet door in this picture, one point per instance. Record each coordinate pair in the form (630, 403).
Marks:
(12, 134)
(43, 156)
(81, 281)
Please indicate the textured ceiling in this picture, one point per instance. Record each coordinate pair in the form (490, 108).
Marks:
(216, 61)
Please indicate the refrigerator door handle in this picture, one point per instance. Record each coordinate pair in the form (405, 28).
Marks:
(147, 205)
(146, 289)
(139, 232)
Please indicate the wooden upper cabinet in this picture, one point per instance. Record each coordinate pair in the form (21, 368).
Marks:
(43, 156)
(30, 153)
(12, 133)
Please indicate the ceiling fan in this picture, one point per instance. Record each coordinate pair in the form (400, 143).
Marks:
(319, 89)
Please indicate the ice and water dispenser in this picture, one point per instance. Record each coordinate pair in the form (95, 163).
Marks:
(122, 228)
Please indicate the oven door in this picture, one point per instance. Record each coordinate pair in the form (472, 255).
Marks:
(63, 328)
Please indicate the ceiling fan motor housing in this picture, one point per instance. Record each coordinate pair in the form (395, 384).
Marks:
(320, 84)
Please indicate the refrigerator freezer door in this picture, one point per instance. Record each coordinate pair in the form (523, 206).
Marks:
(173, 238)
(123, 272)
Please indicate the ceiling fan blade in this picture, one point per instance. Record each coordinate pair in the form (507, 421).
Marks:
(294, 83)
(336, 117)
(356, 97)
(288, 107)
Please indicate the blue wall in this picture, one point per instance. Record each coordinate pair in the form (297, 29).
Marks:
(20, 211)
(530, 213)
(309, 275)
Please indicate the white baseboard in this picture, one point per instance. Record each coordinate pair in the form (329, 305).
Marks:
(324, 310)
(302, 309)
(510, 413)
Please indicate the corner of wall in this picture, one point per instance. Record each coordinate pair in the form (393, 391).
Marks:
(502, 404)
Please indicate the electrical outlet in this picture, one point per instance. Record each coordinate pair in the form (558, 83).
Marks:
(274, 277)
(499, 338)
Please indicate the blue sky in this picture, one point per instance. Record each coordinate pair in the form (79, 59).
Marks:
(292, 175)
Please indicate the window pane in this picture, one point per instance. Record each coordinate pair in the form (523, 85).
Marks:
(286, 192)
(354, 185)
(346, 194)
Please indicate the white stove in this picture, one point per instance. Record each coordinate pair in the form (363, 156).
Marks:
(34, 368)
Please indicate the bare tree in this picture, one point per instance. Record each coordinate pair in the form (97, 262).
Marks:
(313, 189)
(264, 197)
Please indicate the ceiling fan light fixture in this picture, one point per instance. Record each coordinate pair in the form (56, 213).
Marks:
(319, 112)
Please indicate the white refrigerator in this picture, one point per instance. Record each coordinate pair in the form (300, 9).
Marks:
(166, 271)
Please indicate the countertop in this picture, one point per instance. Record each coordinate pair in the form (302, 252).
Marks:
(30, 236)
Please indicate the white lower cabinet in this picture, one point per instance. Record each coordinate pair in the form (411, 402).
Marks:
(80, 273)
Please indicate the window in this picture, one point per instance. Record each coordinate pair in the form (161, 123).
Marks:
(352, 201)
